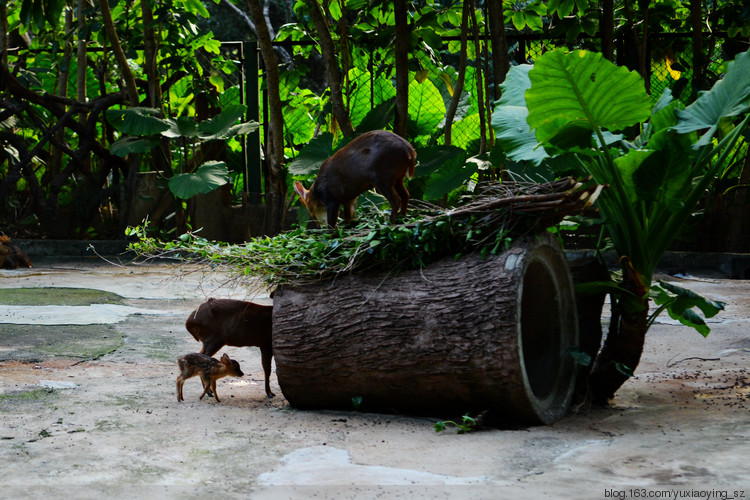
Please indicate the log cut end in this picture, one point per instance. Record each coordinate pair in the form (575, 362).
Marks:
(548, 330)
(465, 335)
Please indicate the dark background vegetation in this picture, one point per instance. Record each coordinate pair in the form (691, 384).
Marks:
(59, 177)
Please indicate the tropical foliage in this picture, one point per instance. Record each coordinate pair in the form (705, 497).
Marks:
(94, 93)
(58, 173)
(67, 104)
(587, 115)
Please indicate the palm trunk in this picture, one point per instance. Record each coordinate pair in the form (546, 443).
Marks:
(480, 88)
(450, 114)
(500, 59)
(402, 69)
(623, 347)
(607, 29)
(55, 166)
(3, 34)
(122, 60)
(274, 150)
(332, 68)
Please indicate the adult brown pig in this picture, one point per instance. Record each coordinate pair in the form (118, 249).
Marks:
(220, 322)
(378, 159)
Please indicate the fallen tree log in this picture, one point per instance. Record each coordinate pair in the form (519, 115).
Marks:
(462, 335)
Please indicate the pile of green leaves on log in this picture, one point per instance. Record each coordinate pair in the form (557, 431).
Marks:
(487, 224)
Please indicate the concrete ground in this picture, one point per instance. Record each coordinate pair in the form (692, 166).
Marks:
(88, 408)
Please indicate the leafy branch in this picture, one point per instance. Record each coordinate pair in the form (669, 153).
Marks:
(487, 224)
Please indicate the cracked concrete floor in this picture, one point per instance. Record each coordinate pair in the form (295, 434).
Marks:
(81, 427)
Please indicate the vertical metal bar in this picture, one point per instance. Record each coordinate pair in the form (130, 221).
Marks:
(252, 151)
(243, 100)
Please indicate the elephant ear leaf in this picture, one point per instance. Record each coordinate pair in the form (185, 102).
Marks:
(137, 121)
(730, 96)
(680, 303)
(207, 177)
(576, 91)
(509, 119)
(313, 155)
(221, 126)
(127, 145)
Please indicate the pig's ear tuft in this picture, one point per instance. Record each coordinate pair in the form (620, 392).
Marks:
(300, 190)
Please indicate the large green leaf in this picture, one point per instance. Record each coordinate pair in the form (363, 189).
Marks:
(432, 158)
(466, 133)
(182, 127)
(516, 84)
(680, 302)
(240, 129)
(219, 126)
(509, 119)
(206, 178)
(446, 167)
(126, 145)
(730, 96)
(574, 90)
(660, 173)
(196, 7)
(688, 298)
(137, 121)
(299, 123)
(426, 107)
(35, 13)
(666, 175)
(360, 96)
(312, 155)
(662, 118)
(378, 117)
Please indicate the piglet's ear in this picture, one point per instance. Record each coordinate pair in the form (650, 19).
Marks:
(300, 190)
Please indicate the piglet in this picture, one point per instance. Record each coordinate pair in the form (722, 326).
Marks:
(220, 322)
(208, 369)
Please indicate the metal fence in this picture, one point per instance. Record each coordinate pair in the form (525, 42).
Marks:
(669, 62)
(669, 59)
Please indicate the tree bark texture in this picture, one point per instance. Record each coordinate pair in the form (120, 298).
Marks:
(589, 307)
(500, 58)
(480, 87)
(450, 113)
(122, 61)
(462, 335)
(274, 150)
(328, 49)
(623, 346)
(607, 29)
(4, 34)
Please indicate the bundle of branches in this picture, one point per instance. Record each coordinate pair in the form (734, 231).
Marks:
(487, 224)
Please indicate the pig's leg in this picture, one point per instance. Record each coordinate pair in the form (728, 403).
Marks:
(332, 212)
(211, 346)
(389, 191)
(404, 194)
(180, 382)
(266, 353)
(349, 208)
(206, 386)
(213, 389)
